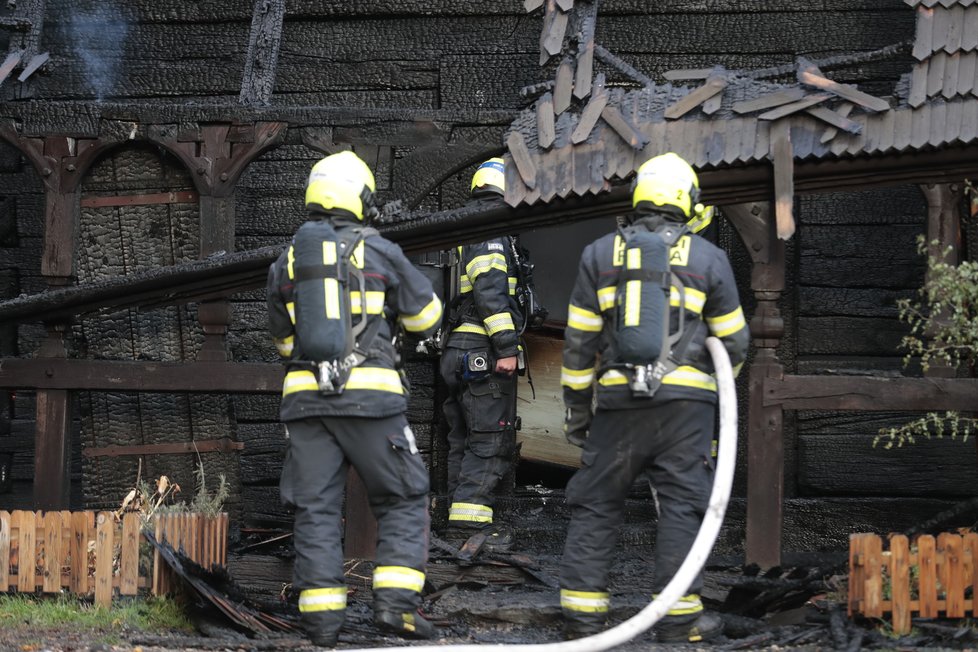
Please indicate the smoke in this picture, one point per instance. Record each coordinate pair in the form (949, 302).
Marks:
(97, 36)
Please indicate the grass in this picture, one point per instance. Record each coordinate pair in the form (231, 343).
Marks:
(63, 611)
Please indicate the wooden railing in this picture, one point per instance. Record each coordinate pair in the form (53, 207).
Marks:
(930, 578)
(90, 553)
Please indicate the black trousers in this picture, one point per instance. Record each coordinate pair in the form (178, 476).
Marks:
(671, 442)
(314, 479)
(481, 419)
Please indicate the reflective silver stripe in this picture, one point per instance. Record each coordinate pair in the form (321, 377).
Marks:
(501, 321)
(583, 319)
(585, 601)
(285, 346)
(727, 324)
(470, 512)
(428, 317)
(398, 577)
(576, 378)
(326, 599)
(688, 604)
(482, 264)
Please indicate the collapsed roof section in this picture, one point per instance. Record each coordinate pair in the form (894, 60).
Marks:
(734, 118)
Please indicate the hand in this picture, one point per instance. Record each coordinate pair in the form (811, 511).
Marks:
(576, 425)
(506, 366)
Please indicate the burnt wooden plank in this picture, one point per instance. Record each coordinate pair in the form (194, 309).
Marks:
(935, 74)
(837, 119)
(9, 63)
(545, 121)
(582, 167)
(966, 72)
(942, 29)
(563, 86)
(591, 113)
(867, 393)
(33, 65)
(521, 157)
(585, 54)
(952, 125)
(564, 169)
(844, 91)
(52, 447)
(748, 139)
(969, 37)
(696, 97)
(679, 75)
(920, 126)
(532, 5)
(716, 143)
(923, 43)
(955, 30)
(770, 100)
(918, 84)
(713, 104)
(829, 465)
(223, 445)
(62, 374)
(901, 128)
(552, 35)
(784, 188)
(623, 127)
(937, 131)
(794, 107)
(264, 41)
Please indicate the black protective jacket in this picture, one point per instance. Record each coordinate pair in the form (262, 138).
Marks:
(712, 306)
(485, 312)
(395, 292)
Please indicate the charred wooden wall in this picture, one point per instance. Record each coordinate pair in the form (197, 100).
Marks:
(853, 254)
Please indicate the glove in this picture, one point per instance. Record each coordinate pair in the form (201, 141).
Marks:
(576, 424)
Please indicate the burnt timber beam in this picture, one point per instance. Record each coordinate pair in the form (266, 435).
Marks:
(866, 393)
(944, 202)
(243, 271)
(137, 376)
(258, 80)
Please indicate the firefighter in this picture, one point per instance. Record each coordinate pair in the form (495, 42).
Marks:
(361, 421)
(666, 435)
(479, 366)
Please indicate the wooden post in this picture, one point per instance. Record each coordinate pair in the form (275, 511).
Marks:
(944, 202)
(756, 226)
(52, 435)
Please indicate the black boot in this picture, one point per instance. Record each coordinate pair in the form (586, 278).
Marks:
(408, 624)
(575, 628)
(322, 631)
(694, 628)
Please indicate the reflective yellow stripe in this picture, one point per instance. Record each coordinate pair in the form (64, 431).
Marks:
(398, 577)
(727, 324)
(501, 321)
(357, 257)
(330, 599)
(291, 263)
(285, 345)
(737, 368)
(633, 289)
(376, 378)
(585, 601)
(471, 328)
(583, 320)
(612, 377)
(683, 376)
(606, 297)
(691, 377)
(375, 302)
(512, 285)
(484, 263)
(428, 317)
(471, 512)
(464, 284)
(688, 604)
(299, 381)
(694, 299)
(576, 378)
(331, 285)
(290, 306)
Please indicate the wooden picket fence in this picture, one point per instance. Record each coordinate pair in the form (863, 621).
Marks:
(934, 578)
(89, 552)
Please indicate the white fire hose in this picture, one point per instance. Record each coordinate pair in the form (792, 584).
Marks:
(698, 553)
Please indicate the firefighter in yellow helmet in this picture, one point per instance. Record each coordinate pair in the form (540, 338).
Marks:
(335, 297)
(641, 424)
(479, 367)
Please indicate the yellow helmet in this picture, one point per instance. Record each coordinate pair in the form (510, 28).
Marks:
(702, 216)
(342, 181)
(668, 184)
(490, 178)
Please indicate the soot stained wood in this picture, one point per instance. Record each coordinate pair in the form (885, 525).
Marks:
(854, 302)
(892, 261)
(258, 80)
(832, 465)
(849, 336)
